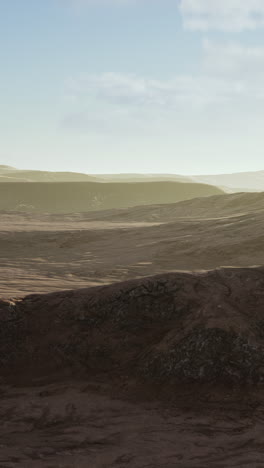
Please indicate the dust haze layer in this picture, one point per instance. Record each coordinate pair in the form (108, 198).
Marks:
(242, 181)
(233, 182)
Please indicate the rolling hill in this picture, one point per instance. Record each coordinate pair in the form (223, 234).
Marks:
(160, 372)
(226, 205)
(43, 252)
(11, 174)
(143, 178)
(184, 327)
(230, 183)
(62, 197)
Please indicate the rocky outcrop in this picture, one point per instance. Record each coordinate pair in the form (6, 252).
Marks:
(185, 327)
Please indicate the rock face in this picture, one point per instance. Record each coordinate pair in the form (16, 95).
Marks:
(185, 327)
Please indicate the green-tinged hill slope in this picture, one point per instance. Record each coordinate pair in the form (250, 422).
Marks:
(86, 196)
(43, 176)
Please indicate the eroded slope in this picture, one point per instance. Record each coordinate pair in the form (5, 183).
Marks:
(186, 327)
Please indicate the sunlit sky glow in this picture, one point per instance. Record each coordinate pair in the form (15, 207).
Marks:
(106, 86)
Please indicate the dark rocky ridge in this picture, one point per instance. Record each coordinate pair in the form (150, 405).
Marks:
(182, 327)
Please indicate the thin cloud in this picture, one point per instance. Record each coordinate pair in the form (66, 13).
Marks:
(234, 59)
(230, 78)
(226, 15)
(83, 3)
(136, 91)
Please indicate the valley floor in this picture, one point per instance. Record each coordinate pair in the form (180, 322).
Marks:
(40, 253)
(91, 424)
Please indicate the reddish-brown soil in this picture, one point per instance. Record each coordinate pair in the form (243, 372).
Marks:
(184, 326)
(161, 372)
(155, 372)
(74, 425)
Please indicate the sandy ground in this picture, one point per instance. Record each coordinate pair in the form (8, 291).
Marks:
(71, 425)
(86, 424)
(42, 253)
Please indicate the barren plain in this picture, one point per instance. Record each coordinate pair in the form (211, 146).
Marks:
(103, 364)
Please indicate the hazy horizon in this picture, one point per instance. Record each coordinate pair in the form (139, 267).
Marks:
(44, 169)
(131, 240)
(125, 86)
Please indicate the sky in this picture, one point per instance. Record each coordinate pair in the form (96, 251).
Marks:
(150, 86)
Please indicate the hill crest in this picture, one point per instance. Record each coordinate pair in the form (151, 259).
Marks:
(181, 327)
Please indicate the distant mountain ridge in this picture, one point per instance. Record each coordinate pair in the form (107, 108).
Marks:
(234, 182)
(231, 183)
(134, 177)
(243, 181)
(10, 174)
(4, 168)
